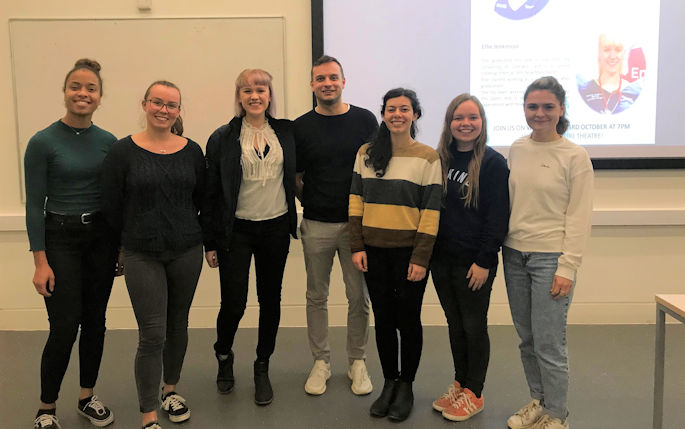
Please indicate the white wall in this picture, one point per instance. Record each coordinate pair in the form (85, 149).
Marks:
(637, 247)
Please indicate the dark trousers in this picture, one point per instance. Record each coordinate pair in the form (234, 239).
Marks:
(467, 319)
(269, 242)
(161, 287)
(82, 257)
(396, 304)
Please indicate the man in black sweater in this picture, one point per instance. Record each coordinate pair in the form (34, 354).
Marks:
(327, 139)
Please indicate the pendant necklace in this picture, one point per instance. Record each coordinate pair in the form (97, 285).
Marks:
(78, 131)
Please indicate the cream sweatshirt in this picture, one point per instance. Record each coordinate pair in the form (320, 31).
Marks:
(550, 189)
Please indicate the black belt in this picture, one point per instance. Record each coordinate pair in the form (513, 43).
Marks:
(83, 218)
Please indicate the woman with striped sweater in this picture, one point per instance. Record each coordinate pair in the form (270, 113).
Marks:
(394, 215)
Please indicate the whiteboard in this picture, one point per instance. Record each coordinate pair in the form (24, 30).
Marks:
(203, 56)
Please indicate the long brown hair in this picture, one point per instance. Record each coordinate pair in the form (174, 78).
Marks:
(471, 192)
(380, 146)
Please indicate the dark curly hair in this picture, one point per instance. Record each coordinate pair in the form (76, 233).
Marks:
(85, 64)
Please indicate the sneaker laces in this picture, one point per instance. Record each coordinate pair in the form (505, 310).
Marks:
(96, 405)
(464, 401)
(46, 420)
(360, 373)
(526, 411)
(175, 402)
(319, 370)
(452, 394)
(548, 421)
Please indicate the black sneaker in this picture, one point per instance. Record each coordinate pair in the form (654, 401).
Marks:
(175, 406)
(95, 411)
(152, 425)
(46, 421)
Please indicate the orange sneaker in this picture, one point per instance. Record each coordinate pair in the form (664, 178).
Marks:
(465, 407)
(453, 391)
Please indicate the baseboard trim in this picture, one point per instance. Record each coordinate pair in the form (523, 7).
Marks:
(295, 316)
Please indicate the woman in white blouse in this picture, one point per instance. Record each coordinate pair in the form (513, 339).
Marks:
(249, 211)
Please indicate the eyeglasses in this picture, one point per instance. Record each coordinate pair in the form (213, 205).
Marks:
(159, 104)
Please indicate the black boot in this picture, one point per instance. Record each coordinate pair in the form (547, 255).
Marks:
(263, 394)
(380, 406)
(224, 378)
(402, 404)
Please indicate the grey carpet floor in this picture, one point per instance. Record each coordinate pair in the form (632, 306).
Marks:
(612, 371)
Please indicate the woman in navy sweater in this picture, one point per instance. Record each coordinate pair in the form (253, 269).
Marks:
(473, 225)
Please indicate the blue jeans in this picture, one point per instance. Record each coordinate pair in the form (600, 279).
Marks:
(540, 321)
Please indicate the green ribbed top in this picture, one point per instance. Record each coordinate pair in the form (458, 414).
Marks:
(62, 174)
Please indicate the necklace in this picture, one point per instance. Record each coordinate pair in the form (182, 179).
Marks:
(78, 131)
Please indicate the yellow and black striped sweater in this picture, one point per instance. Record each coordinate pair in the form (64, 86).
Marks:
(400, 209)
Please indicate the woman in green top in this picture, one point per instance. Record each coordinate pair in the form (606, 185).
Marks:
(73, 251)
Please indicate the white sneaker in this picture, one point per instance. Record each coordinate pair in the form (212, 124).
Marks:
(549, 422)
(316, 383)
(527, 416)
(361, 383)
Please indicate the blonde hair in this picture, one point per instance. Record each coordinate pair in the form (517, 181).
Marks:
(259, 77)
(610, 39)
(471, 192)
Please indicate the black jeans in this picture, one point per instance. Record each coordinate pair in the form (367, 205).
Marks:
(467, 319)
(396, 304)
(269, 242)
(161, 287)
(83, 258)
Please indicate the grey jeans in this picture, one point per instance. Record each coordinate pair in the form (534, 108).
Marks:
(320, 242)
(161, 288)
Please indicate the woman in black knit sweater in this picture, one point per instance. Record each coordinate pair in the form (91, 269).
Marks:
(152, 188)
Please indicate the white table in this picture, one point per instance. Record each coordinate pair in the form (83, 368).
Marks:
(674, 305)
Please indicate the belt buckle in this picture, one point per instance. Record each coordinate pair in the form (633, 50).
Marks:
(86, 218)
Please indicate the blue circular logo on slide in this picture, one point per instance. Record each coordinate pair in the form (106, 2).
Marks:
(524, 10)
